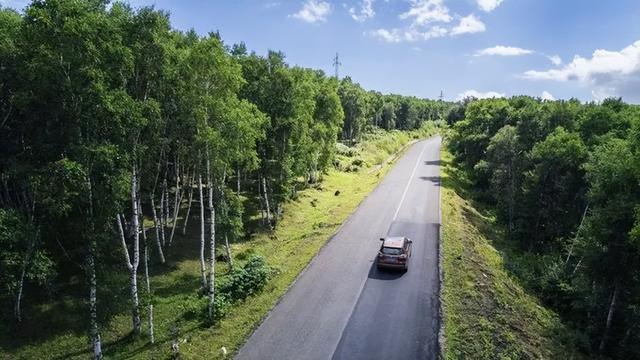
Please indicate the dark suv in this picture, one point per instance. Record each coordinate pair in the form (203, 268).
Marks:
(394, 253)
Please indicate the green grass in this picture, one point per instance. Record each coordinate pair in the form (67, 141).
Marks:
(488, 314)
(53, 331)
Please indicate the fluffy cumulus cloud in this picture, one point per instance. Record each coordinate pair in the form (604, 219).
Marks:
(428, 19)
(365, 12)
(408, 35)
(425, 12)
(555, 59)
(313, 11)
(468, 25)
(608, 73)
(504, 51)
(480, 95)
(488, 5)
(547, 96)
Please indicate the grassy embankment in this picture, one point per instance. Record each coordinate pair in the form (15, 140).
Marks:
(488, 314)
(57, 329)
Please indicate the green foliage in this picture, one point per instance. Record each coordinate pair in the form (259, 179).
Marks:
(564, 177)
(95, 97)
(246, 280)
(19, 244)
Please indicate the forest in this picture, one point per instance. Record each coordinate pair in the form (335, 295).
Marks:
(563, 177)
(120, 134)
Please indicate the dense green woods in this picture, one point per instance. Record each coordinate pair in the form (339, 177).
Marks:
(113, 126)
(564, 178)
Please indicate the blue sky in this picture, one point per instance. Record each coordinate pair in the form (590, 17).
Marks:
(588, 49)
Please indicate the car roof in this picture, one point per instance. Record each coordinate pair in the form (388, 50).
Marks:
(394, 242)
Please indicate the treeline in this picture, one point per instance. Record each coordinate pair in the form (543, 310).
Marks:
(111, 120)
(564, 178)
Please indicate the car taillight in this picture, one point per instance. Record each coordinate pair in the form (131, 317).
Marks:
(402, 258)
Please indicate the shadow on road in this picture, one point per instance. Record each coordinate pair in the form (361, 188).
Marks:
(434, 179)
(384, 274)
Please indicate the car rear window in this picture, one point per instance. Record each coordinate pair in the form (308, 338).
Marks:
(391, 251)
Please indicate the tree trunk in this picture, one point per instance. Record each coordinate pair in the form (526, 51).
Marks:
(607, 327)
(262, 210)
(202, 234)
(167, 208)
(238, 181)
(93, 311)
(152, 338)
(176, 209)
(162, 217)
(157, 227)
(186, 218)
(27, 258)
(133, 265)
(146, 274)
(266, 201)
(212, 240)
(91, 274)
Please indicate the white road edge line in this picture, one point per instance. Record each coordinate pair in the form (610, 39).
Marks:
(404, 194)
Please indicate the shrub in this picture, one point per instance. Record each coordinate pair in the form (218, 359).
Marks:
(196, 306)
(247, 280)
(344, 150)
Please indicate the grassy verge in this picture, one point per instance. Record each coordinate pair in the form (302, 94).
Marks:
(57, 328)
(488, 315)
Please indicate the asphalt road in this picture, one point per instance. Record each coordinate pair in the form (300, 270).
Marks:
(341, 306)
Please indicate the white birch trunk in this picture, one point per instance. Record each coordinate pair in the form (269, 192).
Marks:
(146, 274)
(152, 338)
(202, 235)
(607, 327)
(266, 201)
(186, 217)
(162, 218)
(157, 228)
(135, 314)
(132, 266)
(91, 270)
(17, 310)
(176, 210)
(212, 241)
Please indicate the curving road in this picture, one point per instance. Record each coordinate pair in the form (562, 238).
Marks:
(341, 306)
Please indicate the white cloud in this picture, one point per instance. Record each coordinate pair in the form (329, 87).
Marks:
(313, 11)
(609, 73)
(480, 95)
(500, 50)
(547, 96)
(408, 35)
(424, 12)
(488, 5)
(504, 51)
(392, 35)
(468, 25)
(427, 19)
(366, 11)
(555, 59)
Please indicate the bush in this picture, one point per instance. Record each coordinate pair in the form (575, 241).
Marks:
(196, 306)
(344, 150)
(247, 280)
